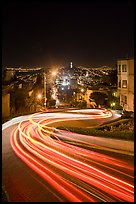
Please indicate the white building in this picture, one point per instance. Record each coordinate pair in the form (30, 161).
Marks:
(125, 75)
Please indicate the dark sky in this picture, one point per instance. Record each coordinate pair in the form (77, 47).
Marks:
(89, 34)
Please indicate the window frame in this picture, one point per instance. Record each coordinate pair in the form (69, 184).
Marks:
(124, 68)
(124, 83)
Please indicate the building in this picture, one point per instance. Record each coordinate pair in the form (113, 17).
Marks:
(125, 73)
(5, 105)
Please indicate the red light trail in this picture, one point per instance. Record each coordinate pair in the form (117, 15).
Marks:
(76, 173)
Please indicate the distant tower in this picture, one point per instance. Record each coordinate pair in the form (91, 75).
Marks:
(71, 65)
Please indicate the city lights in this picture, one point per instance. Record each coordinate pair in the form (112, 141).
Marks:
(54, 73)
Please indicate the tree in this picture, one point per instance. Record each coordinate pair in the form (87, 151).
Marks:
(52, 103)
(77, 104)
(18, 99)
(98, 97)
(39, 82)
(82, 104)
(113, 99)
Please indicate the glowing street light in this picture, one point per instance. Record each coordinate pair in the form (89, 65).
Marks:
(39, 96)
(54, 73)
(113, 104)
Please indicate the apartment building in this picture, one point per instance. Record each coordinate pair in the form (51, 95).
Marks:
(125, 73)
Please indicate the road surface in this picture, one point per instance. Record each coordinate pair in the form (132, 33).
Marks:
(43, 164)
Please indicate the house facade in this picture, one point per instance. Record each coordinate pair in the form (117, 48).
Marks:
(125, 88)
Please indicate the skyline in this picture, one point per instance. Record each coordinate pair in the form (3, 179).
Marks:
(90, 34)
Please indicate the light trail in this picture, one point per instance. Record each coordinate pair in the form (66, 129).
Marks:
(76, 173)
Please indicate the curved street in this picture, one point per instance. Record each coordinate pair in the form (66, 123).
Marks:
(41, 163)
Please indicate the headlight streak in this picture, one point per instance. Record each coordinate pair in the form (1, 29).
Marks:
(88, 157)
(47, 173)
(50, 158)
(100, 162)
(87, 153)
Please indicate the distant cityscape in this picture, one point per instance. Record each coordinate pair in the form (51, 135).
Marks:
(70, 86)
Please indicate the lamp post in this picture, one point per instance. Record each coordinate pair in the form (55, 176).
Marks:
(45, 90)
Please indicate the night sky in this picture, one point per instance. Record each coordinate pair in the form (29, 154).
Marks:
(89, 34)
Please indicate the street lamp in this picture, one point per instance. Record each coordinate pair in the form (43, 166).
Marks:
(45, 90)
(39, 96)
(54, 73)
(113, 104)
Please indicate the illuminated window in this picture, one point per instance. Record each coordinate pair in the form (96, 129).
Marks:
(124, 83)
(124, 68)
